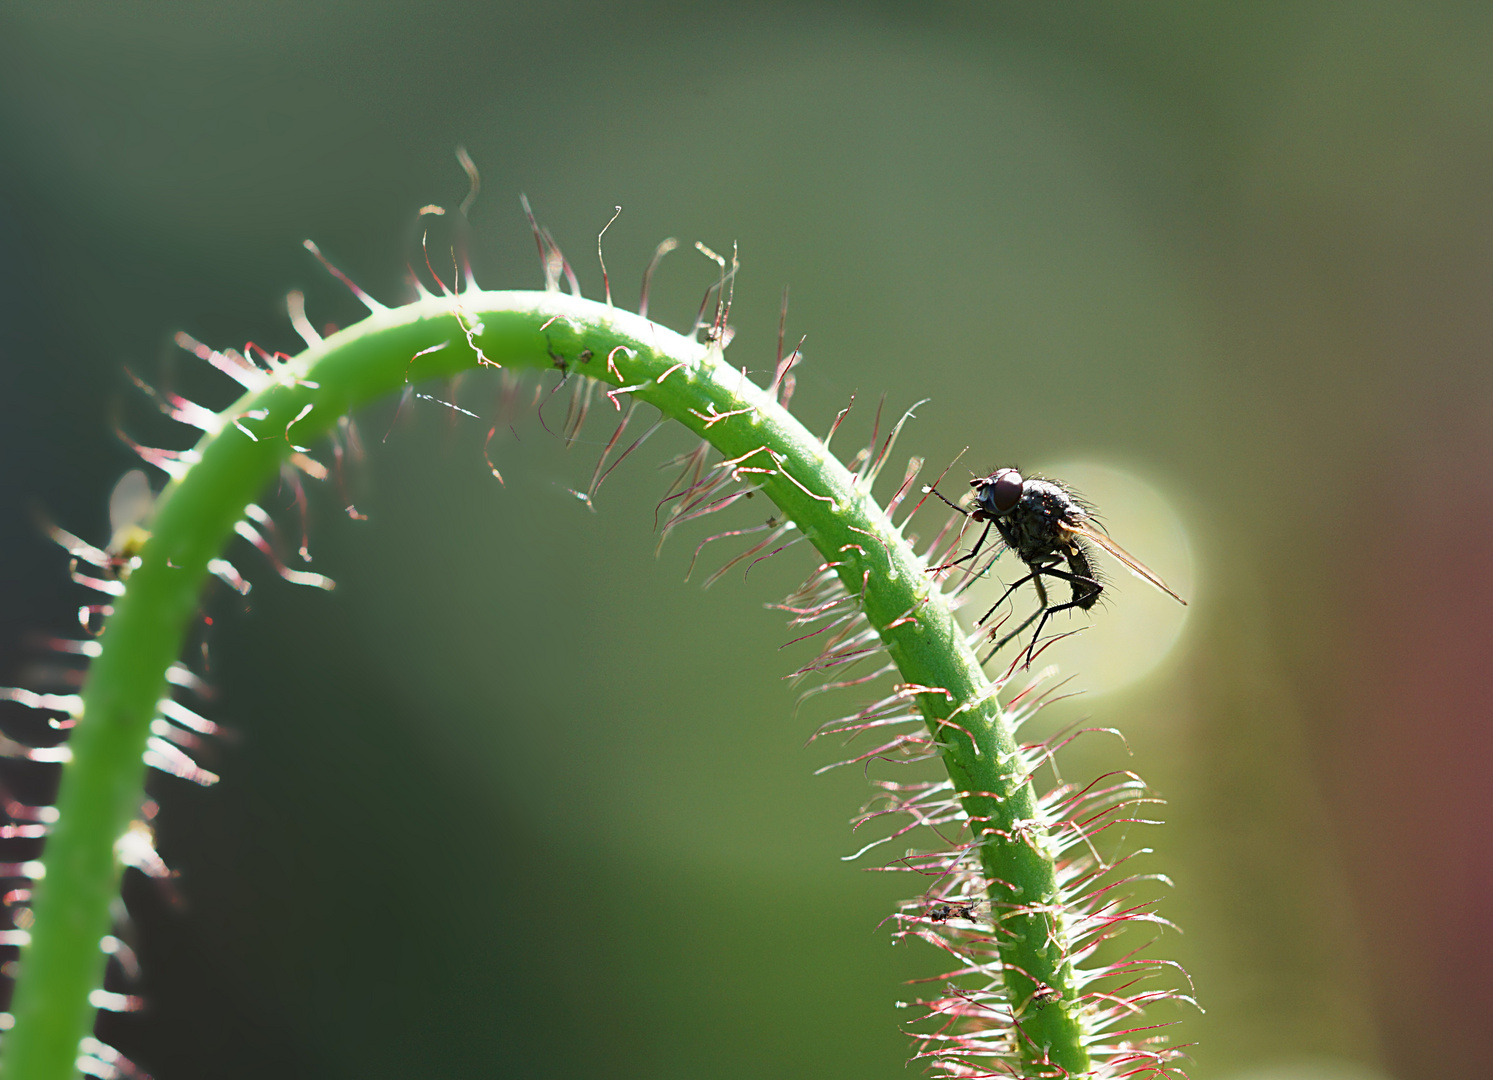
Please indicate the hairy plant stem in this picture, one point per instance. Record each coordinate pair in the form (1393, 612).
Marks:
(101, 787)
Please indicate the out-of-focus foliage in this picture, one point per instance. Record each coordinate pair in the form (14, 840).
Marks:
(1240, 252)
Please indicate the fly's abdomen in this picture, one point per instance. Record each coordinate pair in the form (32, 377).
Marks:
(1085, 595)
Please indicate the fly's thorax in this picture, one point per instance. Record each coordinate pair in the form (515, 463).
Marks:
(1032, 523)
(1031, 527)
(1053, 499)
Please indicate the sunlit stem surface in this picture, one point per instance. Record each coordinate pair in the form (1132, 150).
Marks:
(691, 382)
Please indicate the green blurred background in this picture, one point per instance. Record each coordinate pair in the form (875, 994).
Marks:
(514, 801)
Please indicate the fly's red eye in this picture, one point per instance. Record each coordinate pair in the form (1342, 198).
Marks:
(1003, 490)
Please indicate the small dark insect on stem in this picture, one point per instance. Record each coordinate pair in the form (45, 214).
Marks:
(956, 909)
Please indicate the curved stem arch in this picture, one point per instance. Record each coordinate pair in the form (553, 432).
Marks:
(101, 788)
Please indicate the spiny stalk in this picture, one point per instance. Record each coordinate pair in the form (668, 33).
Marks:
(1019, 894)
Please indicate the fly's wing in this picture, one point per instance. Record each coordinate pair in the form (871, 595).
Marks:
(1134, 565)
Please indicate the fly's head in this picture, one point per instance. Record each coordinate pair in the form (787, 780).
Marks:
(1032, 514)
(999, 493)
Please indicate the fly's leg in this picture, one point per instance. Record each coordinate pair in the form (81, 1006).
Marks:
(1006, 544)
(1041, 592)
(1085, 601)
(1035, 578)
(966, 558)
(1046, 611)
(1047, 614)
(975, 575)
(1001, 644)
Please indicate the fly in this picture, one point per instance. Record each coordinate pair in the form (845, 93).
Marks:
(1046, 525)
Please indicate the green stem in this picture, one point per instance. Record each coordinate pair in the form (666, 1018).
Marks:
(101, 787)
